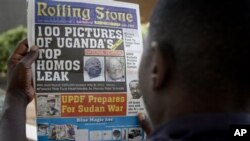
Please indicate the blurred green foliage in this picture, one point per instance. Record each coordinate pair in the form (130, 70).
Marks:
(8, 41)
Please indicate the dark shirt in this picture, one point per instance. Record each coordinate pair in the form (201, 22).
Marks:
(207, 127)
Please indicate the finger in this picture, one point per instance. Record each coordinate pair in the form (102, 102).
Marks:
(30, 57)
(29, 85)
(144, 122)
(20, 50)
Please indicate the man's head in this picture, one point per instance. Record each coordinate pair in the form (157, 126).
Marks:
(196, 58)
(134, 89)
(51, 101)
(93, 67)
(115, 68)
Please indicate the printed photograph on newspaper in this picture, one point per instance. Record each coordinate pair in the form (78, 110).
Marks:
(86, 73)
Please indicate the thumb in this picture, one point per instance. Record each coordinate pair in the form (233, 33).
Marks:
(144, 122)
(31, 56)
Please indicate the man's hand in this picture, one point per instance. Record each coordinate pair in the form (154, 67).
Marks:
(144, 122)
(19, 93)
(19, 71)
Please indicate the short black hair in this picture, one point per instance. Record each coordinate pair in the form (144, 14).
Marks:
(208, 40)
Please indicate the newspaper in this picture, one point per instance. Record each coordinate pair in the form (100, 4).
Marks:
(86, 74)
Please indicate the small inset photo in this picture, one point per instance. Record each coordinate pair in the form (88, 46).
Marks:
(135, 134)
(95, 135)
(124, 134)
(115, 69)
(42, 129)
(62, 132)
(135, 89)
(117, 134)
(93, 69)
(107, 135)
(48, 105)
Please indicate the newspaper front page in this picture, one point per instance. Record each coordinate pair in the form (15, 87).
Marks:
(86, 74)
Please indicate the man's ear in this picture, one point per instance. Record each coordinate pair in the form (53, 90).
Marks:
(159, 68)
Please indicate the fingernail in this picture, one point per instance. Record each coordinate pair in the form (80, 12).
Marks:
(33, 48)
(141, 116)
